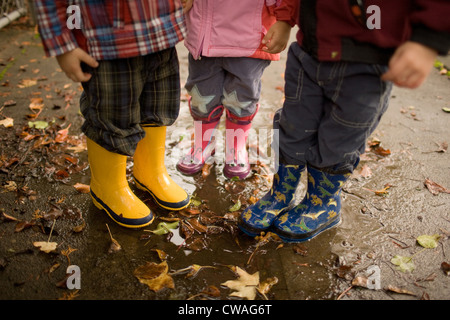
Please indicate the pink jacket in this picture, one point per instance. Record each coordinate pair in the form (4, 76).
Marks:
(235, 28)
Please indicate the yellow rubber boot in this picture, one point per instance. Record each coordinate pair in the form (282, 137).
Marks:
(150, 173)
(110, 190)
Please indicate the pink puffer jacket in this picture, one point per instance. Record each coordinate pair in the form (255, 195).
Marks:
(235, 28)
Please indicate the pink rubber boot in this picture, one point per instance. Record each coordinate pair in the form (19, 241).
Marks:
(204, 144)
(236, 155)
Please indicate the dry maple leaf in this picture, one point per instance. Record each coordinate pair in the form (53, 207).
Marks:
(154, 276)
(45, 246)
(245, 285)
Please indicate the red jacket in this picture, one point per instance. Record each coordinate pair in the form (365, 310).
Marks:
(331, 30)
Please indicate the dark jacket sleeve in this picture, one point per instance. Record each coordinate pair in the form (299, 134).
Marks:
(287, 10)
(431, 24)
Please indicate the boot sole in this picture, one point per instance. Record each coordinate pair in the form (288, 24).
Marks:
(295, 238)
(124, 222)
(163, 204)
(248, 230)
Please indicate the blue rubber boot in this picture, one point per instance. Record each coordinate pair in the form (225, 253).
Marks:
(317, 212)
(258, 217)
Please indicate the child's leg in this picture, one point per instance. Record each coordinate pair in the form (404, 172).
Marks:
(353, 100)
(204, 85)
(159, 106)
(110, 106)
(241, 93)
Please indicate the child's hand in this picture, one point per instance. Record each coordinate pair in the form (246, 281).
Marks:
(277, 37)
(70, 63)
(410, 65)
(187, 5)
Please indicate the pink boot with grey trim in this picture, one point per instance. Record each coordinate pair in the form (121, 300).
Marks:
(236, 154)
(204, 144)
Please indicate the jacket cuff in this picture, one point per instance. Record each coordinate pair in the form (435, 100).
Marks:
(437, 40)
(287, 11)
(60, 44)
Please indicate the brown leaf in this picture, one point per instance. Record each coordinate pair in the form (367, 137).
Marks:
(62, 135)
(7, 217)
(115, 246)
(435, 188)
(365, 171)
(445, 267)
(399, 290)
(155, 276)
(22, 225)
(161, 254)
(266, 285)
(206, 170)
(82, 188)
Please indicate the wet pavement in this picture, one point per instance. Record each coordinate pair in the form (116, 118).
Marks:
(376, 225)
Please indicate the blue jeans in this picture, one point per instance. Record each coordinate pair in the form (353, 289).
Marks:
(330, 110)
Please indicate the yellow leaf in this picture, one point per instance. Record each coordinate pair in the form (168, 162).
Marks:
(245, 285)
(154, 276)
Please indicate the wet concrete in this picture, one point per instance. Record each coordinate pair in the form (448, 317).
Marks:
(374, 228)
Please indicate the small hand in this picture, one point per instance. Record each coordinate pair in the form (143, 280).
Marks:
(70, 63)
(410, 65)
(277, 37)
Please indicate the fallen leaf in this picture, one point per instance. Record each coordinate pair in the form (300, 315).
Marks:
(381, 192)
(427, 241)
(365, 171)
(445, 267)
(154, 276)
(45, 246)
(7, 217)
(7, 123)
(115, 246)
(236, 206)
(9, 186)
(9, 103)
(360, 281)
(164, 228)
(161, 254)
(435, 188)
(38, 124)
(245, 285)
(191, 271)
(82, 188)
(399, 290)
(206, 170)
(265, 286)
(445, 109)
(25, 83)
(403, 264)
(62, 135)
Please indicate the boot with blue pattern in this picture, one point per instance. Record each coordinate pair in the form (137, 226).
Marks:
(317, 212)
(258, 217)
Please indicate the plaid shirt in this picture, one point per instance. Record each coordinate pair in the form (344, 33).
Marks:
(110, 29)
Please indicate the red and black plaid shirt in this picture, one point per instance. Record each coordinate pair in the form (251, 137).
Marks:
(110, 29)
